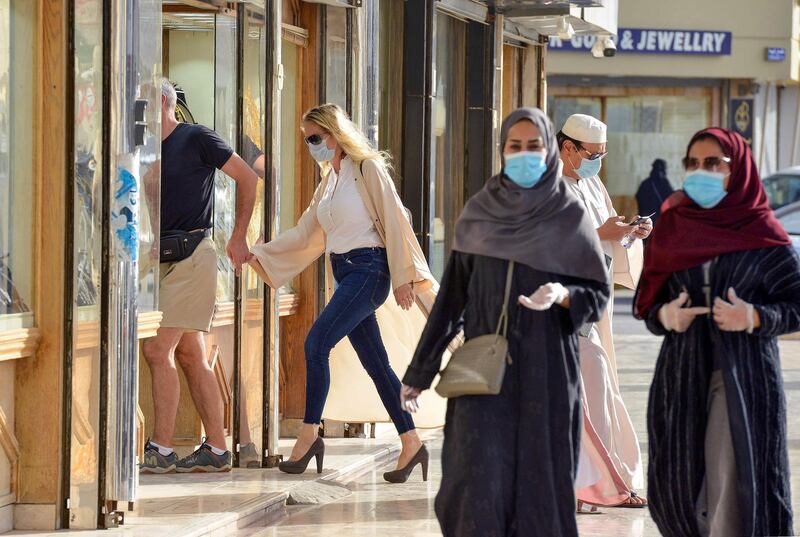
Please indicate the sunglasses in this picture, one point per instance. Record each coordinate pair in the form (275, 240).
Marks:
(314, 139)
(710, 164)
(591, 156)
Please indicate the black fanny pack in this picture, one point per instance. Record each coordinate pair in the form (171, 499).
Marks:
(177, 245)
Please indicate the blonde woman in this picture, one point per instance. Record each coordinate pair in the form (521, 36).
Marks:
(358, 220)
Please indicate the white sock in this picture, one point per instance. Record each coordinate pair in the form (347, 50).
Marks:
(216, 451)
(165, 451)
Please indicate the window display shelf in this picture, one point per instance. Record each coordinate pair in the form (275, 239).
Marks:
(149, 323)
(18, 343)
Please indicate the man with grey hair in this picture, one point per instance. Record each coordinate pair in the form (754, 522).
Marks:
(190, 156)
(168, 94)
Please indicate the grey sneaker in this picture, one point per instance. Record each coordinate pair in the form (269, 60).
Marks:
(204, 460)
(248, 456)
(156, 463)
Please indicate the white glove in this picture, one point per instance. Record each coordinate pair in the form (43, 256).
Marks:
(409, 398)
(545, 296)
(674, 317)
(734, 316)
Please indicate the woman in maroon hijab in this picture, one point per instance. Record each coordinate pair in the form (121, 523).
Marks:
(720, 282)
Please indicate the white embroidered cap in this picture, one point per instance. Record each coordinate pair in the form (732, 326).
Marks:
(585, 129)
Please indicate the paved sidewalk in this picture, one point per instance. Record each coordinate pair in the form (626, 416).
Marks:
(355, 500)
(378, 509)
(195, 505)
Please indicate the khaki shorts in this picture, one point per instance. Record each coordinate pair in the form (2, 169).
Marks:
(187, 289)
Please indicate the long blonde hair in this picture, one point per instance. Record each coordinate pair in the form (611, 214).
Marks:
(333, 120)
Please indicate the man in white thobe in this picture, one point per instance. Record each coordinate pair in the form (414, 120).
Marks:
(610, 467)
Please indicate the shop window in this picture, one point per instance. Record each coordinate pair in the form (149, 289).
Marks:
(390, 82)
(449, 137)
(642, 129)
(17, 18)
(512, 78)
(336, 56)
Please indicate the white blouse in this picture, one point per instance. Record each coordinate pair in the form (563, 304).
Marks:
(343, 216)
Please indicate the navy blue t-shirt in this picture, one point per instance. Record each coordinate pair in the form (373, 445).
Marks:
(189, 158)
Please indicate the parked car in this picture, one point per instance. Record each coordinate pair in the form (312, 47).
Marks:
(789, 217)
(783, 188)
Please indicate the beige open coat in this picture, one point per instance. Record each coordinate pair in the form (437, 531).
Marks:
(352, 396)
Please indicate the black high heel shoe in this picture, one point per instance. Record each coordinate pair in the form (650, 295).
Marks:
(299, 466)
(401, 476)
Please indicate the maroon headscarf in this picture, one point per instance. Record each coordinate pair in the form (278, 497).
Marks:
(688, 235)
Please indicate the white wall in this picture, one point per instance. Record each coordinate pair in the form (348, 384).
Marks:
(191, 66)
(755, 25)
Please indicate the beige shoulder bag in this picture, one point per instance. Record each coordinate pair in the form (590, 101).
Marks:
(478, 367)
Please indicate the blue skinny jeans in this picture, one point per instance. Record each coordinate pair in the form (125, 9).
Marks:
(363, 285)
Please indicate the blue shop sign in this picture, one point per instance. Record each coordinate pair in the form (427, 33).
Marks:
(652, 41)
(776, 54)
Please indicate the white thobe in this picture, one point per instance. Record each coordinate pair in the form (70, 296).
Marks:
(609, 438)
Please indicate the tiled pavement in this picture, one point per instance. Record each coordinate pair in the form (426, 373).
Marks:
(181, 506)
(378, 509)
(194, 505)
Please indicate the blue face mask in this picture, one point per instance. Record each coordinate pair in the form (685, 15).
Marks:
(589, 168)
(705, 188)
(525, 168)
(321, 152)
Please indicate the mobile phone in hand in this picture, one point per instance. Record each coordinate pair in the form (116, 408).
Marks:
(641, 220)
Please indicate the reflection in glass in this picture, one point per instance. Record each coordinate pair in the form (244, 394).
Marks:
(290, 136)
(390, 80)
(252, 363)
(225, 125)
(17, 19)
(448, 130)
(87, 207)
(150, 153)
(336, 56)
(512, 78)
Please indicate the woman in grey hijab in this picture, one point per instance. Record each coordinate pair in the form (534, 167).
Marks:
(509, 460)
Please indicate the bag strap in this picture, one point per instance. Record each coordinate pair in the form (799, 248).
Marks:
(502, 323)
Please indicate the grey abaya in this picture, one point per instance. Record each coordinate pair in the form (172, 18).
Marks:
(509, 460)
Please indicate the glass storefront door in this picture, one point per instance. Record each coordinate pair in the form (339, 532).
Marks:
(251, 398)
(111, 203)
(447, 154)
(335, 52)
(86, 276)
(225, 124)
